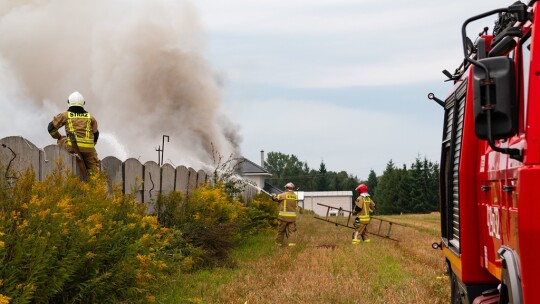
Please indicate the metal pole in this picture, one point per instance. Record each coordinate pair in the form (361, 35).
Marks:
(163, 147)
(158, 149)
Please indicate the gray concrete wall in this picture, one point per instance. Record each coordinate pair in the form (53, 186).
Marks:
(133, 175)
(182, 178)
(22, 154)
(168, 178)
(113, 167)
(201, 178)
(152, 185)
(55, 158)
(192, 180)
(145, 182)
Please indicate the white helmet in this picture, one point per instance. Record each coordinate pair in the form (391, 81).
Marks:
(76, 99)
(289, 186)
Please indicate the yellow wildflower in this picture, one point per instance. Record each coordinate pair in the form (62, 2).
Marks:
(150, 220)
(64, 204)
(23, 225)
(4, 299)
(142, 260)
(44, 213)
(15, 215)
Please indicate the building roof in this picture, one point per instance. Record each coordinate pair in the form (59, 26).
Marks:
(248, 167)
(328, 193)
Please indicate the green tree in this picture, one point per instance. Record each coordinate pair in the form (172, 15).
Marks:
(417, 182)
(371, 183)
(322, 178)
(424, 186)
(388, 190)
(403, 203)
(286, 168)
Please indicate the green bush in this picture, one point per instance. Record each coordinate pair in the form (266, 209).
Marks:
(262, 213)
(64, 241)
(213, 222)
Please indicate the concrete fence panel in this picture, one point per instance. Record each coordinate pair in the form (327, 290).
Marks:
(182, 178)
(168, 175)
(192, 180)
(22, 154)
(133, 178)
(201, 178)
(152, 185)
(112, 166)
(145, 182)
(54, 157)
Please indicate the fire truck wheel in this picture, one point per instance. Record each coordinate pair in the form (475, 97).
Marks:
(455, 293)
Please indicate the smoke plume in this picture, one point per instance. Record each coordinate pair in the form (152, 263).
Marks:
(139, 65)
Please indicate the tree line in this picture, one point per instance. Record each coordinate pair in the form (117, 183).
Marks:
(412, 189)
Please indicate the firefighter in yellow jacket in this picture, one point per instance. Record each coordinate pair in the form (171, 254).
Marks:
(288, 203)
(82, 125)
(363, 207)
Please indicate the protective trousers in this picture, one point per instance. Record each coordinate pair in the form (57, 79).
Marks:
(286, 233)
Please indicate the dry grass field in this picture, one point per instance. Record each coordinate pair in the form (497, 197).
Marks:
(325, 268)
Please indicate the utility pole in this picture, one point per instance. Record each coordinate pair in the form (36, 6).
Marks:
(159, 150)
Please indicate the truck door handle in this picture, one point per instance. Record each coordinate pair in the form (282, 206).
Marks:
(485, 188)
(508, 188)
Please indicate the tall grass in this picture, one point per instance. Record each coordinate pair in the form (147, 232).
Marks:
(324, 268)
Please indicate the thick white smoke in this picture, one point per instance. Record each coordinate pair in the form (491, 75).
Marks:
(139, 65)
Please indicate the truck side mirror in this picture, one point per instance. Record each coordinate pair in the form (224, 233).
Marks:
(495, 101)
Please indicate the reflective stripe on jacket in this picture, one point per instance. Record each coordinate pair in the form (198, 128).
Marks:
(288, 203)
(365, 206)
(80, 119)
(364, 216)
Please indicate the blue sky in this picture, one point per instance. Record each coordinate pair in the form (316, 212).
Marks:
(339, 81)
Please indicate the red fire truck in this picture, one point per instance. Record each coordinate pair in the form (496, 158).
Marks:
(490, 162)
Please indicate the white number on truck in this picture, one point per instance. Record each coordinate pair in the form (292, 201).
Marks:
(493, 222)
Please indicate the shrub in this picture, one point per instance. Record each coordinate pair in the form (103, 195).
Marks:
(213, 222)
(262, 213)
(209, 219)
(63, 240)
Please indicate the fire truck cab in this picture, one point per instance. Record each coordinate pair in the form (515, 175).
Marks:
(490, 162)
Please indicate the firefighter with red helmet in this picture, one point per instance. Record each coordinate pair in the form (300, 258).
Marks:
(288, 203)
(81, 130)
(363, 207)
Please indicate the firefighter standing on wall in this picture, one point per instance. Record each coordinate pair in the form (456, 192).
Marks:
(288, 202)
(81, 127)
(363, 207)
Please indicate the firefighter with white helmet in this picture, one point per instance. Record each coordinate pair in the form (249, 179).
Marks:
(288, 203)
(81, 131)
(363, 207)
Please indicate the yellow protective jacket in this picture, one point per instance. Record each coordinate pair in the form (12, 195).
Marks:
(364, 205)
(79, 122)
(288, 203)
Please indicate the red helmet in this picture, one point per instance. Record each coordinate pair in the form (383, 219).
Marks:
(361, 189)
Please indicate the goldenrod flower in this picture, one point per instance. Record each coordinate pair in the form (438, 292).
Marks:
(4, 299)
